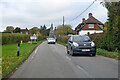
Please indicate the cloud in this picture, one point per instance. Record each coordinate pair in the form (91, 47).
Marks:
(30, 13)
(98, 11)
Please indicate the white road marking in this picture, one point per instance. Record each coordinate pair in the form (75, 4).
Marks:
(84, 71)
(34, 54)
(68, 58)
(36, 50)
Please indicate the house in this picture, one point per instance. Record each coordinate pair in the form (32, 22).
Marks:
(25, 31)
(51, 33)
(90, 26)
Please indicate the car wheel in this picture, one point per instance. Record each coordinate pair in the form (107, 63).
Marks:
(93, 54)
(67, 52)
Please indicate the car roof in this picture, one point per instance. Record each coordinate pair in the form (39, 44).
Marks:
(79, 35)
(50, 38)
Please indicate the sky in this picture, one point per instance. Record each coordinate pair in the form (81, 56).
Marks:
(36, 13)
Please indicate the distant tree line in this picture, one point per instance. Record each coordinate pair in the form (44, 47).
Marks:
(41, 31)
(10, 29)
(66, 30)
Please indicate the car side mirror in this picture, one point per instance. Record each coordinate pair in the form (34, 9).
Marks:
(70, 41)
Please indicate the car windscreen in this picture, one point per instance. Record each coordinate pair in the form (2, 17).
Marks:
(81, 38)
(51, 39)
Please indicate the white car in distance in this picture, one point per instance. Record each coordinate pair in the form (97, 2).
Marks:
(51, 40)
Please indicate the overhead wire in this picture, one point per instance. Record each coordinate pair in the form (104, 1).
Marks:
(83, 11)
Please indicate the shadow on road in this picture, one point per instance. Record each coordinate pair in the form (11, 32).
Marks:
(81, 55)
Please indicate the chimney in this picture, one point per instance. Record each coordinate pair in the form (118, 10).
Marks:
(83, 20)
(90, 14)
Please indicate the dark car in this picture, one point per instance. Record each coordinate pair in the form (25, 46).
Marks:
(78, 44)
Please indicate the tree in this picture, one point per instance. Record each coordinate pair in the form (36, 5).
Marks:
(44, 27)
(17, 30)
(112, 37)
(34, 30)
(9, 29)
(43, 31)
(48, 30)
(67, 30)
(105, 26)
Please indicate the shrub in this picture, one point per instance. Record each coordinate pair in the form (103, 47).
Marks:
(41, 37)
(103, 42)
(98, 39)
(8, 38)
(63, 39)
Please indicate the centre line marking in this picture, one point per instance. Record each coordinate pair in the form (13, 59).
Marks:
(68, 58)
(83, 70)
(34, 53)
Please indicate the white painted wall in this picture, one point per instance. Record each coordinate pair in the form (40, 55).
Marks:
(83, 32)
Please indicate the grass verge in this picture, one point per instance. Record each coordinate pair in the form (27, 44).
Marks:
(64, 44)
(0, 62)
(102, 52)
(10, 60)
(106, 53)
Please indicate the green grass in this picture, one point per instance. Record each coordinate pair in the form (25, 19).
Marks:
(0, 62)
(102, 52)
(106, 53)
(64, 44)
(10, 60)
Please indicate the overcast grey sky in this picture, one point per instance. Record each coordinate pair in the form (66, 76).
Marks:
(34, 13)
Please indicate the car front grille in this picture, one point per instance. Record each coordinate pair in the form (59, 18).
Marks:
(84, 45)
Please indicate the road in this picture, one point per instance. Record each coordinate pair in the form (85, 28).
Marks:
(51, 61)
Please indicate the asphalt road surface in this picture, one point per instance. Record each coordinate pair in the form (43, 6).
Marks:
(52, 61)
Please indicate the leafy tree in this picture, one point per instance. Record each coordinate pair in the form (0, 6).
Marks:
(17, 30)
(105, 26)
(34, 30)
(112, 37)
(9, 29)
(67, 30)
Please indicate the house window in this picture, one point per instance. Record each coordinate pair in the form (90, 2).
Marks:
(26, 33)
(91, 25)
(101, 26)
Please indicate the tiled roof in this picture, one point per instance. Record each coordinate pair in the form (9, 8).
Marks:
(24, 29)
(92, 19)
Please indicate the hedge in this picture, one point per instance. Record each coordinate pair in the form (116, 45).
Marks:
(8, 38)
(63, 39)
(98, 39)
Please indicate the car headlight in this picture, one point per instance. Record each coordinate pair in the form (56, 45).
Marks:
(92, 44)
(75, 44)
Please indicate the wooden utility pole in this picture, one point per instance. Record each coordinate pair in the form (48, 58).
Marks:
(63, 24)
